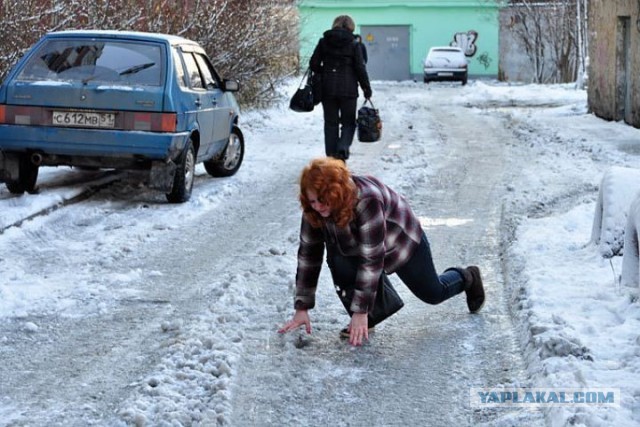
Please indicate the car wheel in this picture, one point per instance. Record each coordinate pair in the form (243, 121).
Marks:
(464, 80)
(426, 80)
(184, 176)
(27, 177)
(230, 161)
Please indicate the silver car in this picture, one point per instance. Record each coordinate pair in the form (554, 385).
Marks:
(445, 63)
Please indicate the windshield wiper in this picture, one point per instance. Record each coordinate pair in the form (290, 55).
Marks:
(136, 68)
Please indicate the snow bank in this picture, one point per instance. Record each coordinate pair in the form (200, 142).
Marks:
(630, 263)
(619, 185)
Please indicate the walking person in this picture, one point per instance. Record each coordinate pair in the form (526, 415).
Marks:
(362, 47)
(369, 231)
(337, 58)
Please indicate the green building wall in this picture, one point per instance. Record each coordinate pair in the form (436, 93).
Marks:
(431, 23)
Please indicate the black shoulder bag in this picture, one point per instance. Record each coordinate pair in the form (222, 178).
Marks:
(302, 100)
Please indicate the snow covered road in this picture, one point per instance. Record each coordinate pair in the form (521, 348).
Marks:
(420, 364)
(123, 310)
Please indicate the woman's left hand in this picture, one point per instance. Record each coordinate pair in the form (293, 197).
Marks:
(359, 330)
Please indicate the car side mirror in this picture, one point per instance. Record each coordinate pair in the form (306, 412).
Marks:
(231, 85)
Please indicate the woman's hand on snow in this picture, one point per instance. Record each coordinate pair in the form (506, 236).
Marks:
(300, 318)
(358, 329)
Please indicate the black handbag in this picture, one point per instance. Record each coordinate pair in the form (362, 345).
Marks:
(302, 100)
(387, 301)
(369, 123)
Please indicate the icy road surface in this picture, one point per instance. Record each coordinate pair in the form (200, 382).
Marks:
(124, 310)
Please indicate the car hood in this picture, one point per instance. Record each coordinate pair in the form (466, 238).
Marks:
(85, 96)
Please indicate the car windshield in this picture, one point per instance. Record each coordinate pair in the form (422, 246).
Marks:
(101, 61)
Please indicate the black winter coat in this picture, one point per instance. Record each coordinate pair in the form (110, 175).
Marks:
(338, 58)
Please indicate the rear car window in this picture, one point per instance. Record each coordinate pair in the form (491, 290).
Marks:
(446, 53)
(101, 61)
(181, 77)
(194, 73)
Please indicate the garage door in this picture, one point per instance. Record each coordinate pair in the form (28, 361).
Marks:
(388, 51)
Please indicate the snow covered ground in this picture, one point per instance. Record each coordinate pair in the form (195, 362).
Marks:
(578, 327)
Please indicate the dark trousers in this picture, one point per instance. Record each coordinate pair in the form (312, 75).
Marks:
(419, 274)
(339, 126)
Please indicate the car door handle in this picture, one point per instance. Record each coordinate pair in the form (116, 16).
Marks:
(198, 102)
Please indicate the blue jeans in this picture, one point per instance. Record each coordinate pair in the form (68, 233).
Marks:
(419, 274)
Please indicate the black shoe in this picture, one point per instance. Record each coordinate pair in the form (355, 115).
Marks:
(475, 290)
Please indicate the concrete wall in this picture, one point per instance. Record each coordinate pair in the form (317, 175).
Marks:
(515, 65)
(431, 23)
(605, 87)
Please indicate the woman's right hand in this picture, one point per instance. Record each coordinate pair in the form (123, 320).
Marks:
(300, 318)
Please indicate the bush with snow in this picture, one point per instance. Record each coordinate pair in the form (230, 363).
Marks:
(254, 41)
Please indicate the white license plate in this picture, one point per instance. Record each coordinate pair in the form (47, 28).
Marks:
(84, 119)
(445, 74)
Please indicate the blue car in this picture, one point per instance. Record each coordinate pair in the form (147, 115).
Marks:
(118, 100)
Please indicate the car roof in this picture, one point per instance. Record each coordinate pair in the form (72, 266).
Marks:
(129, 35)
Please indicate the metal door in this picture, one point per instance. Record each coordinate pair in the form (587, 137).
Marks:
(623, 71)
(388, 52)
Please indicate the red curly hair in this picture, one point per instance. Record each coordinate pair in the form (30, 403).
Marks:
(330, 179)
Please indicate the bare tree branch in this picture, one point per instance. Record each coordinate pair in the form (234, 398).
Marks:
(550, 33)
(254, 41)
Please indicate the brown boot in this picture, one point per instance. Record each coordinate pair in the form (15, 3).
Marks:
(474, 288)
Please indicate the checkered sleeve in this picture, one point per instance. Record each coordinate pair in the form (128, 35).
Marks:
(310, 254)
(371, 229)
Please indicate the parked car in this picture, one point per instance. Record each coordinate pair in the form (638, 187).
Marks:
(118, 100)
(445, 63)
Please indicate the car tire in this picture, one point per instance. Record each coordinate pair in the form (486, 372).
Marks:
(426, 80)
(27, 177)
(184, 176)
(464, 80)
(231, 159)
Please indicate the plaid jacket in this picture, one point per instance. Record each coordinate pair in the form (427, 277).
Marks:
(383, 235)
